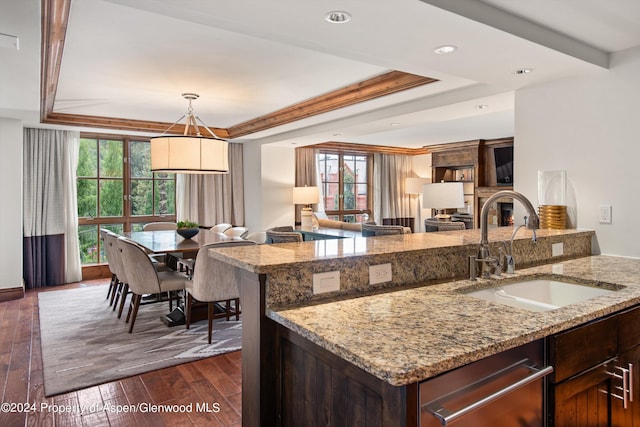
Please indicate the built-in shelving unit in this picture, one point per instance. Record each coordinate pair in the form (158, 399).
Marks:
(473, 163)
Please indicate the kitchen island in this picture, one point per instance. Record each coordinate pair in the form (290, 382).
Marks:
(384, 339)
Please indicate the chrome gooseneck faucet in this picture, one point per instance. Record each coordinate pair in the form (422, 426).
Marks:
(484, 256)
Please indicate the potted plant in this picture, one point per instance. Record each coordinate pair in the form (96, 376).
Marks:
(187, 229)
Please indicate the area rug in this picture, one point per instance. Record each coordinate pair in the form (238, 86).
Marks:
(84, 344)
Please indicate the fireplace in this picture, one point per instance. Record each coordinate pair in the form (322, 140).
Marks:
(501, 213)
(505, 213)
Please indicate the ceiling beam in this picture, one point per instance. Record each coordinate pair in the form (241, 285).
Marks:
(384, 84)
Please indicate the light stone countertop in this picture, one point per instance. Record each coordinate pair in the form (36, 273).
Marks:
(410, 335)
(267, 258)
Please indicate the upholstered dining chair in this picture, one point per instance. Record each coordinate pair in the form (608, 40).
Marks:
(121, 291)
(257, 236)
(109, 252)
(236, 232)
(214, 282)
(283, 234)
(143, 278)
(160, 225)
(221, 228)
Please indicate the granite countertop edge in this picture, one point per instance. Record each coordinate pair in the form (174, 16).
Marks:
(406, 336)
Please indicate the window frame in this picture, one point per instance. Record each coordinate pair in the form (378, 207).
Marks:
(341, 212)
(127, 220)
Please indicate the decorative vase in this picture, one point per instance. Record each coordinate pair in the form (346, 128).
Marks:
(187, 233)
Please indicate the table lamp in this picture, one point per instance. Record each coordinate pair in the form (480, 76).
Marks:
(306, 196)
(443, 195)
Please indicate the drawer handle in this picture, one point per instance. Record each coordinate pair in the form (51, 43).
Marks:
(626, 376)
(445, 416)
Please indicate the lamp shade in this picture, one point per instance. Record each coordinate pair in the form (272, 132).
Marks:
(189, 154)
(443, 195)
(414, 185)
(305, 195)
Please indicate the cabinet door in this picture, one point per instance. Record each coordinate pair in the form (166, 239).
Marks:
(580, 401)
(629, 416)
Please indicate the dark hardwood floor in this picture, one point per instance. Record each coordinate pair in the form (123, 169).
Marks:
(216, 381)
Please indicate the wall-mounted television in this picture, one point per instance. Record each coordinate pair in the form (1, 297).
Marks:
(504, 165)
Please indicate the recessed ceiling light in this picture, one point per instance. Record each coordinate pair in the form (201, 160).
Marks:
(523, 71)
(481, 107)
(338, 17)
(443, 50)
(395, 124)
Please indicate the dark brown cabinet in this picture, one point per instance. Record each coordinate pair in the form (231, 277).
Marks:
(595, 382)
(473, 163)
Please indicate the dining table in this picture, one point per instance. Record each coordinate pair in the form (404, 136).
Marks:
(176, 247)
(169, 241)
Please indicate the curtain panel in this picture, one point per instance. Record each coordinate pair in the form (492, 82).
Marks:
(390, 199)
(212, 199)
(50, 212)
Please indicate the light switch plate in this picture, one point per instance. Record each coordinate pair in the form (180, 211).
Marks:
(326, 282)
(380, 273)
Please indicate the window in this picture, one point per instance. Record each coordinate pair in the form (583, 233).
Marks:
(118, 191)
(345, 185)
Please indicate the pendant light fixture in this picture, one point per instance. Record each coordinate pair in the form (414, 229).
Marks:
(187, 153)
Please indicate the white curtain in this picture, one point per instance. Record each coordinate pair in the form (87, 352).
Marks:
(50, 211)
(307, 173)
(212, 199)
(390, 199)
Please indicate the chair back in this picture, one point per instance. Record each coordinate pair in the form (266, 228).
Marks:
(221, 228)
(236, 232)
(114, 256)
(274, 236)
(436, 225)
(142, 277)
(155, 226)
(259, 237)
(215, 280)
(108, 250)
(370, 230)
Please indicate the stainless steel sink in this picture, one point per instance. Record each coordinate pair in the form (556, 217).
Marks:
(541, 294)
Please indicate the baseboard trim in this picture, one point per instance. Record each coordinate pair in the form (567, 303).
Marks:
(10, 294)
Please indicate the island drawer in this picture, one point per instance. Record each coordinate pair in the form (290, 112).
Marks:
(573, 351)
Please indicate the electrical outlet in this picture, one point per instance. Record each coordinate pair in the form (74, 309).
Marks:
(326, 282)
(605, 214)
(379, 273)
(557, 249)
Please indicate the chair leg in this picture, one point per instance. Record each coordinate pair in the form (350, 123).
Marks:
(136, 304)
(237, 303)
(125, 290)
(117, 296)
(114, 292)
(227, 308)
(187, 315)
(210, 318)
(112, 287)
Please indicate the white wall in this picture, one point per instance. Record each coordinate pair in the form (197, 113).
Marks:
(11, 196)
(269, 181)
(590, 127)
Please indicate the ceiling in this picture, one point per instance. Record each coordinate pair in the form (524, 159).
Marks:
(132, 59)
